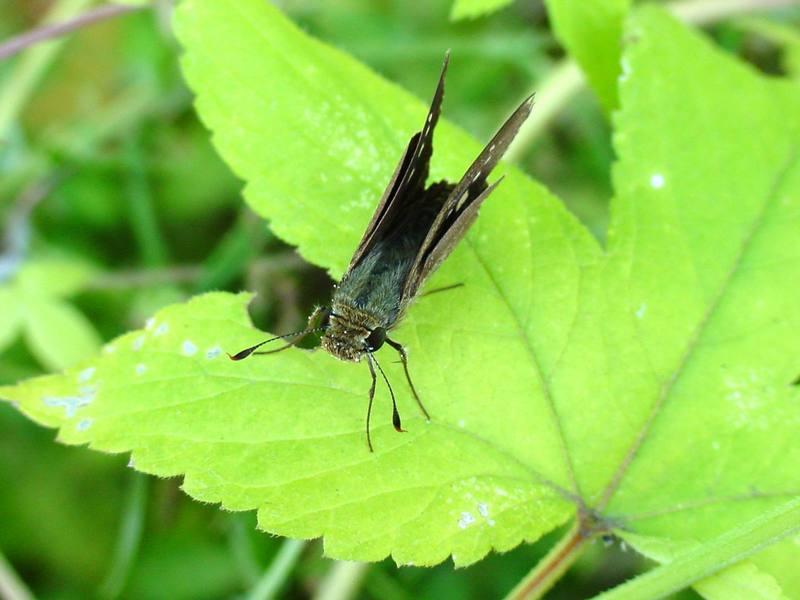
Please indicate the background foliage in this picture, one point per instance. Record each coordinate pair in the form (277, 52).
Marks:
(117, 205)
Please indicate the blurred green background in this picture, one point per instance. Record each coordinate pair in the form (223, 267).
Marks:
(113, 203)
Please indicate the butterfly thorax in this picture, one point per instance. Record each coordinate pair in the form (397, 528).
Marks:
(377, 283)
(347, 332)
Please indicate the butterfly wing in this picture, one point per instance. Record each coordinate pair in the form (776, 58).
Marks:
(460, 209)
(407, 184)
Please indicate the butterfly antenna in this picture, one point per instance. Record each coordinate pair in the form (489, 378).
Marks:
(242, 354)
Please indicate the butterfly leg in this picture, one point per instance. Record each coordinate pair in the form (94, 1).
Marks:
(371, 396)
(441, 289)
(404, 359)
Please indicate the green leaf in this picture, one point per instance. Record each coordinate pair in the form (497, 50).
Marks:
(30, 303)
(649, 385)
(170, 393)
(705, 559)
(58, 334)
(463, 9)
(591, 31)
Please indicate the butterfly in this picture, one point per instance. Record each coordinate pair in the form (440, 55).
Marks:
(414, 228)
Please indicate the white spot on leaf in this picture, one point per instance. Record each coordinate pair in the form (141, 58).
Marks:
(83, 424)
(86, 374)
(141, 369)
(483, 509)
(641, 310)
(149, 323)
(138, 343)
(70, 404)
(213, 352)
(657, 181)
(188, 348)
(466, 520)
(161, 329)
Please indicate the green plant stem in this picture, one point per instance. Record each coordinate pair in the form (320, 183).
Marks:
(342, 581)
(242, 550)
(708, 559)
(551, 567)
(278, 572)
(144, 221)
(26, 75)
(129, 538)
(11, 586)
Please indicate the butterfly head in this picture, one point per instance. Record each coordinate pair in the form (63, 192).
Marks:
(349, 336)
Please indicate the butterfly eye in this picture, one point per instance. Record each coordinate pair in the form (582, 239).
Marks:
(324, 317)
(376, 338)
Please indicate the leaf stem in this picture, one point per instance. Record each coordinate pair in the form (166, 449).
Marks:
(552, 566)
(562, 83)
(278, 572)
(11, 586)
(130, 536)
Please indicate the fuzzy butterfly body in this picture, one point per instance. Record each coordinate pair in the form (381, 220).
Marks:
(413, 229)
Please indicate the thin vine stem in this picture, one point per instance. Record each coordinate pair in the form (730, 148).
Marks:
(27, 72)
(30, 38)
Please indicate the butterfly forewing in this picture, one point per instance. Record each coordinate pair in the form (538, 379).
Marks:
(461, 207)
(408, 181)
